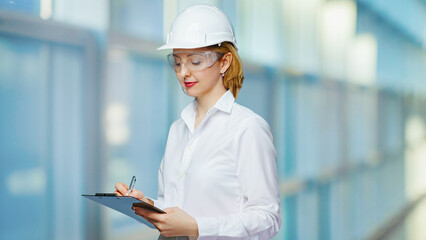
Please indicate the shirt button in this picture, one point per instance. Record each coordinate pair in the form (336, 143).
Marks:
(190, 148)
(182, 175)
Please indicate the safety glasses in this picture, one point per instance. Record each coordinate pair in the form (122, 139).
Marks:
(193, 61)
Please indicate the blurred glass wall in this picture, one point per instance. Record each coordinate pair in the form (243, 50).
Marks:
(86, 101)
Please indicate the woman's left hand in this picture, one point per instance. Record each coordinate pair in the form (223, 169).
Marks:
(175, 222)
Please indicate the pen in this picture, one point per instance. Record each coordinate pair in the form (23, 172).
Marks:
(132, 184)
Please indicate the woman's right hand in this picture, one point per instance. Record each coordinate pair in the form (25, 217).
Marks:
(122, 189)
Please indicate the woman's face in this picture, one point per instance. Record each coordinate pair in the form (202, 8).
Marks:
(198, 71)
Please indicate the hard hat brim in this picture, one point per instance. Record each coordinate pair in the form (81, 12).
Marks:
(189, 45)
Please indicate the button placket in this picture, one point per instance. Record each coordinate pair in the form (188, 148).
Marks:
(186, 159)
(187, 155)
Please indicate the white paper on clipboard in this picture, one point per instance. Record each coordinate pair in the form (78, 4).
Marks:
(121, 204)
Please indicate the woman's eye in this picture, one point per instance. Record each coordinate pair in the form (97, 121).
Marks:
(177, 64)
(195, 63)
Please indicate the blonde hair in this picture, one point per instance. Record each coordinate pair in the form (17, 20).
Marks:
(234, 75)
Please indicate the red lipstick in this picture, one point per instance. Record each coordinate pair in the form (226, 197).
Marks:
(190, 84)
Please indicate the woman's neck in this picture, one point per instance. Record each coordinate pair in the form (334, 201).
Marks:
(207, 101)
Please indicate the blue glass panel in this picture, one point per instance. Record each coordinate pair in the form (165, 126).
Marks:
(22, 6)
(332, 140)
(307, 214)
(256, 94)
(308, 139)
(290, 217)
(24, 139)
(324, 211)
(290, 157)
(41, 143)
(278, 124)
(141, 18)
(68, 140)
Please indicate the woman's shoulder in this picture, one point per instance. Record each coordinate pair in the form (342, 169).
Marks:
(248, 118)
(178, 123)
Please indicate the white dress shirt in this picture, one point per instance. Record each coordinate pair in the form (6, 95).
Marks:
(223, 173)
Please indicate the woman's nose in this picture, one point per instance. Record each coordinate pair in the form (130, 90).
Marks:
(184, 72)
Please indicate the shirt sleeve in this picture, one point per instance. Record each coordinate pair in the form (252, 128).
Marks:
(259, 217)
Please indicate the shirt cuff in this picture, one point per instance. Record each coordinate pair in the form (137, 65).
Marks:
(207, 227)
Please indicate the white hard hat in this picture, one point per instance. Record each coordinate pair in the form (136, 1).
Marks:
(199, 26)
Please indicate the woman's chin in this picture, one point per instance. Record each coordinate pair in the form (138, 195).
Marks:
(192, 92)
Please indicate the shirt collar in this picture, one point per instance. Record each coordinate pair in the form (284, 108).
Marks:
(224, 104)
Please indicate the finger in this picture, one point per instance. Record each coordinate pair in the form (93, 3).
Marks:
(139, 211)
(122, 188)
(142, 213)
(170, 209)
(117, 193)
(137, 194)
(152, 222)
(149, 214)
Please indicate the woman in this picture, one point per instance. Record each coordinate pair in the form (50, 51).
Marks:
(218, 177)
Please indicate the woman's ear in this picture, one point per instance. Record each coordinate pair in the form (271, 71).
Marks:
(225, 62)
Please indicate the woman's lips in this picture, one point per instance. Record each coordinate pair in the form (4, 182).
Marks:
(190, 84)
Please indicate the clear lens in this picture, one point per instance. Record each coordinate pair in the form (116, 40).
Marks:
(193, 61)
